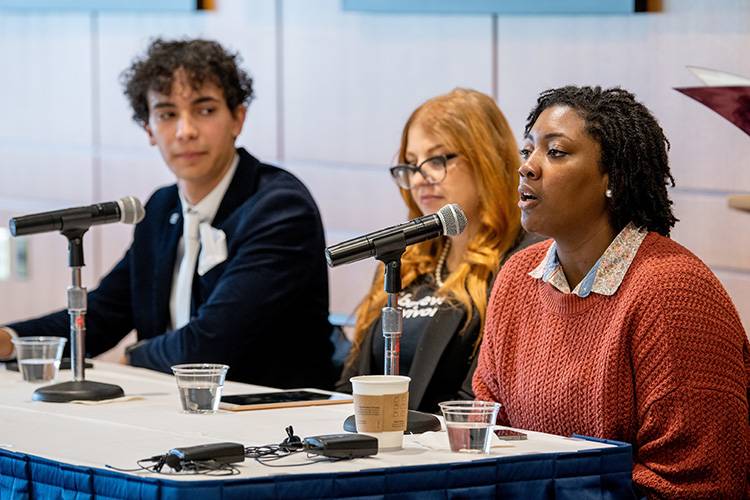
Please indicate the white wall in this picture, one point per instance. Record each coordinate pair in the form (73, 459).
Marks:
(333, 90)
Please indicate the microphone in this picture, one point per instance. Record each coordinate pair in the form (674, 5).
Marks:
(128, 210)
(449, 220)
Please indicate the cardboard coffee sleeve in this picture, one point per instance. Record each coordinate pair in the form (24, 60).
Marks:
(381, 413)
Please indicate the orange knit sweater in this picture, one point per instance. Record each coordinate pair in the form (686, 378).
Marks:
(663, 364)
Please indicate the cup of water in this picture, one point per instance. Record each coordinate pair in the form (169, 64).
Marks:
(200, 386)
(39, 357)
(470, 424)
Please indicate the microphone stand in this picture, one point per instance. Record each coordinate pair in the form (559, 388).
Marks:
(79, 388)
(389, 250)
(392, 316)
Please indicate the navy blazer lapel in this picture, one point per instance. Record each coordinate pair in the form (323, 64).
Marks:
(243, 185)
(164, 264)
(431, 347)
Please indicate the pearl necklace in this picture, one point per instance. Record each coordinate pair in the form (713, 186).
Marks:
(441, 264)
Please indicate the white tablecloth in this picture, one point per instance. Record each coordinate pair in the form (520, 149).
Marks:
(120, 433)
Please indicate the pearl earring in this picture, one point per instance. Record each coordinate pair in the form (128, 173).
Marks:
(608, 193)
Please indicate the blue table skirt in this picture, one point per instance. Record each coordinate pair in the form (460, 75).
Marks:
(597, 474)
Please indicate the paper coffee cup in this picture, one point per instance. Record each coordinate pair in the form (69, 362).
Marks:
(381, 404)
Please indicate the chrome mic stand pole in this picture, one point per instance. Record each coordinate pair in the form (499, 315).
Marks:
(77, 312)
(392, 318)
(79, 388)
(390, 251)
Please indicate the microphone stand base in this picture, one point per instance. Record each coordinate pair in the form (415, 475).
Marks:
(85, 390)
(417, 422)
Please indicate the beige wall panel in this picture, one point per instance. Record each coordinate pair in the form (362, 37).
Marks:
(351, 79)
(59, 175)
(250, 29)
(244, 27)
(46, 79)
(540, 52)
(647, 54)
(738, 286)
(137, 173)
(720, 236)
(708, 152)
(45, 144)
(352, 200)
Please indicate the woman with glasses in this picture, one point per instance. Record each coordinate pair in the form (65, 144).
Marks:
(611, 329)
(455, 148)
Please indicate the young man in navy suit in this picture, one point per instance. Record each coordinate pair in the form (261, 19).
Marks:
(228, 264)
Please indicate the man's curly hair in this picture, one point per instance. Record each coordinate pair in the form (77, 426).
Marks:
(633, 152)
(202, 61)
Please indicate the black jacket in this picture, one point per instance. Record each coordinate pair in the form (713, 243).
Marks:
(445, 360)
(442, 365)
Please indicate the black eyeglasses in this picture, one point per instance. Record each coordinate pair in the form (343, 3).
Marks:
(433, 170)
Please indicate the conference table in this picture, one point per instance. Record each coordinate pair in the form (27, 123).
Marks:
(66, 450)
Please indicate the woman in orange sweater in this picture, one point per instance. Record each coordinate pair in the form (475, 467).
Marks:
(611, 329)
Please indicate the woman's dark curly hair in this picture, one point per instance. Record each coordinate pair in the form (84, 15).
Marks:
(633, 152)
(202, 60)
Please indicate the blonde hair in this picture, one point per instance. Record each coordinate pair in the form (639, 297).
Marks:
(468, 123)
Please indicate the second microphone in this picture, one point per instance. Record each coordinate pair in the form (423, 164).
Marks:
(449, 221)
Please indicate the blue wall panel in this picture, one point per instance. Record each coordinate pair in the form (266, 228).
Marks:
(497, 6)
(100, 5)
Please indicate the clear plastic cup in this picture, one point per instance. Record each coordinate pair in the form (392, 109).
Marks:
(469, 424)
(39, 357)
(200, 386)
